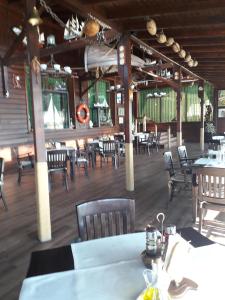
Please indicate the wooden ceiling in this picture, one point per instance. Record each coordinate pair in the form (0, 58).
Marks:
(197, 25)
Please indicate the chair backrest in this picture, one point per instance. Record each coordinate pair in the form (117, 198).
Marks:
(168, 162)
(105, 217)
(182, 154)
(81, 144)
(211, 185)
(108, 147)
(57, 159)
(2, 164)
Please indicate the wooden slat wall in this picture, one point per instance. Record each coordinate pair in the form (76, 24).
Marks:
(13, 110)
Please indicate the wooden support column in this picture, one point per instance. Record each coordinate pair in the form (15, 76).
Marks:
(179, 117)
(124, 67)
(215, 108)
(201, 96)
(41, 170)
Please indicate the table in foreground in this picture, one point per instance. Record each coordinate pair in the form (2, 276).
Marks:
(111, 268)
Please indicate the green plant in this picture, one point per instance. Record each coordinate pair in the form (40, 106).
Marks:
(210, 128)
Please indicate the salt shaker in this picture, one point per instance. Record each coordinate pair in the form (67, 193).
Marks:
(151, 240)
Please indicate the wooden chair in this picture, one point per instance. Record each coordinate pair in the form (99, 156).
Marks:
(57, 163)
(176, 179)
(156, 141)
(210, 192)
(81, 155)
(2, 182)
(185, 161)
(109, 149)
(105, 217)
(24, 162)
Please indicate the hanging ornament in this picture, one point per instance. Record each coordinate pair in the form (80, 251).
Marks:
(161, 38)
(195, 63)
(191, 63)
(176, 47)
(151, 27)
(169, 41)
(182, 53)
(187, 58)
(91, 28)
(36, 67)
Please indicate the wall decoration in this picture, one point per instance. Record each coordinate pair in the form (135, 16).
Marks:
(121, 111)
(16, 81)
(118, 98)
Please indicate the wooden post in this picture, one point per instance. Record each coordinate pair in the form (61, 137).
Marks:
(41, 170)
(201, 96)
(215, 108)
(124, 67)
(156, 129)
(144, 123)
(179, 118)
(168, 137)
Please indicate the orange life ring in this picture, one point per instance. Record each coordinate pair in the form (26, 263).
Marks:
(83, 119)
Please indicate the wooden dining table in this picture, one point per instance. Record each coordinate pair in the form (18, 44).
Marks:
(111, 269)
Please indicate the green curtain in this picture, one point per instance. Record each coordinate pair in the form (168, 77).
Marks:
(98, 92)
(190, 104)
(193, 109)
(208, 93)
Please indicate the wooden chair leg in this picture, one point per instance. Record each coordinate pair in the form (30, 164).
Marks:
(3, 199)
(66, 180)
(200, 217)
(19, 175)
(86, 168)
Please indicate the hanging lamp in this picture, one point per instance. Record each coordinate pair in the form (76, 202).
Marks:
(35, 18)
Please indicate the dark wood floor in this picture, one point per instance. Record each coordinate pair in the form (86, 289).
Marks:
(18, 236)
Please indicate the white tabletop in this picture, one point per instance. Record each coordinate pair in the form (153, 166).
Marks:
(116, 273)
(209, 162)
(218, 137)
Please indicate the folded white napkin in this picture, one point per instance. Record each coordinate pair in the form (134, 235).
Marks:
(108, 250)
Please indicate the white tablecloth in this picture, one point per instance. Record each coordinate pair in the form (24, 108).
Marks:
(209, 162)
(105, 272)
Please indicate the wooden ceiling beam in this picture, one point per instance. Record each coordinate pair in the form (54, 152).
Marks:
(200, 49)
(187, 21)
(62, 48)
(163, 8)
(188, 33)
(157, 54)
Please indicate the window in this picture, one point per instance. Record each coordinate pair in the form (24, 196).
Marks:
(99, 104)
(55, 109)
(55, 103)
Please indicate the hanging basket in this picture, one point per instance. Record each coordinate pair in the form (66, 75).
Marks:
(182, 53)
(151, 27)
(176, 47)
(161, 38)
(187, 58)
(91, 28)
(191, 63)
(169, 41)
